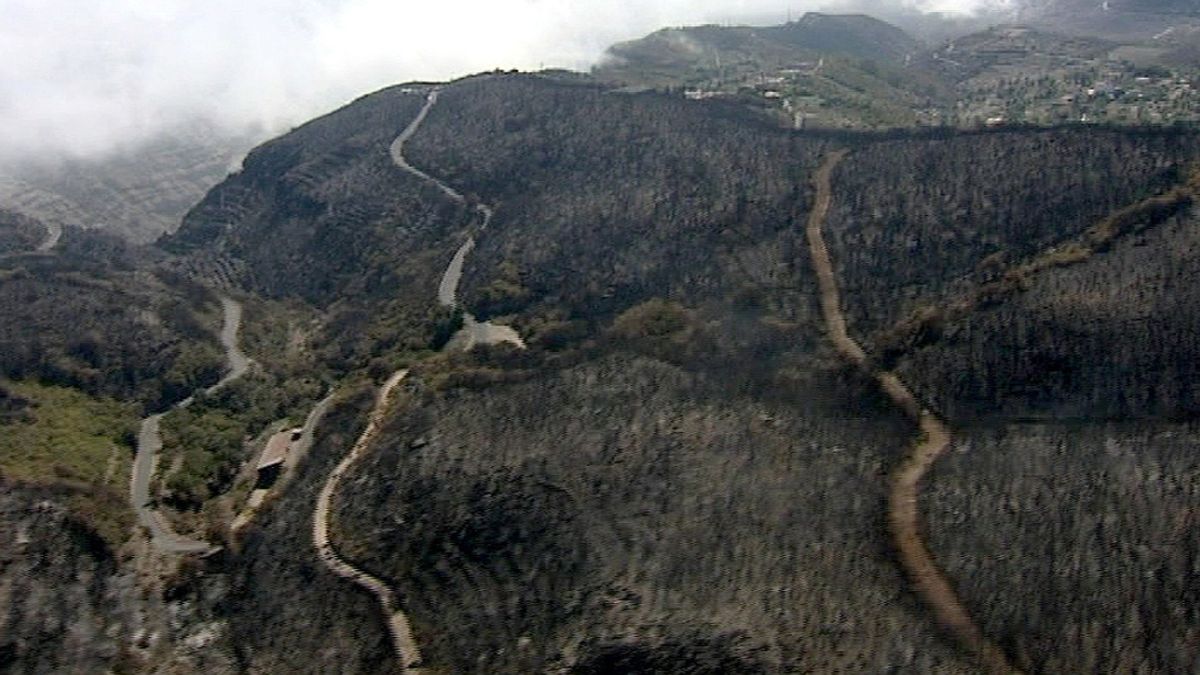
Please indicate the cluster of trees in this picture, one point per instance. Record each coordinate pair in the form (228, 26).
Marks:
(1031, 273)
(625, 511)
(605, 200)
(998, 284)
(1112, 337)
(912, 218)
(86, 318)
(19, 233)
(210, 436)
(1075, 545)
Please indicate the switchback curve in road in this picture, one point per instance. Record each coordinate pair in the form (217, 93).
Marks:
(149, 443)
(904, 516)
(398, 624)
(53, 234)
(46, 246)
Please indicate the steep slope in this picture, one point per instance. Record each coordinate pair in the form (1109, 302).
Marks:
(94, 317)
(461, 568)
(19, 233)
(395, 619)
(1075, 540)
(55, 580)
(1091, 336)
(526, 143)
(322, 214)
(1002, 232)
(1064, 348)
(931, 443)
(604, 200)
(649, 248)
(678, 474)
(137, 193)
(915, 219)
(689, 531)
(282, 608)
(324, 205)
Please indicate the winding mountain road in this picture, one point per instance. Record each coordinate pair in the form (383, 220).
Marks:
(473, 332)
(904, 516)
(149, 444)
(397, 621)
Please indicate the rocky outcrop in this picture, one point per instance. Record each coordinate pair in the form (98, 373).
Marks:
(56, 582)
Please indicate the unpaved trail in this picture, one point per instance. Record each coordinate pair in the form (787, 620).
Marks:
(473, 332)
(831, 308)
(904, 513)
(149, 443)
(397, 621)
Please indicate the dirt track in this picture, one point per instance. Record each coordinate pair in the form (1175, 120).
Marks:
(904, 513)
(397, 621)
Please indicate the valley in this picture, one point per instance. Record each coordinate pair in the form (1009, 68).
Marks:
(796, 348)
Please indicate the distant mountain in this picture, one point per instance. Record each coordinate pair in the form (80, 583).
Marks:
(1185, 7)
(138, 194)
(856, 72)
(861, 72)
(854, 35)
(811, 36)
(1125, 20)
(1008, 49)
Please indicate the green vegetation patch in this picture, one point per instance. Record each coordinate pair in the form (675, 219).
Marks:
(655, 318)
(58, 436)
(207, 441)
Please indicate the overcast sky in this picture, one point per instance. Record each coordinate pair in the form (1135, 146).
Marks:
(82, 77)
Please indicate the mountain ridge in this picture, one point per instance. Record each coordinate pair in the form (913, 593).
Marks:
(739, 339)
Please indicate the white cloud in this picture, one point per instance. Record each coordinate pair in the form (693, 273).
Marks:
(82, 77)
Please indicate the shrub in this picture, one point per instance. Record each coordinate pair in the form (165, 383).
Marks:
(655, 318)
